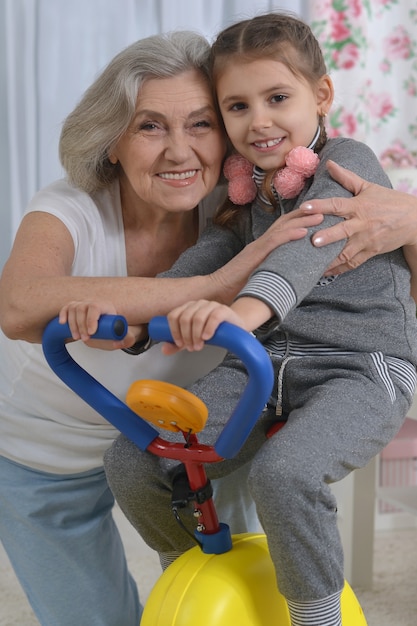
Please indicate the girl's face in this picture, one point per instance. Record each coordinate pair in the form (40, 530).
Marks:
(172, 152)
(267, 110)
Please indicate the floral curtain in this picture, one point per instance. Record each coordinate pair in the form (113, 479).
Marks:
(370, 48)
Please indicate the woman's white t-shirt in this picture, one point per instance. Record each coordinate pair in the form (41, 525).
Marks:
(44, 424)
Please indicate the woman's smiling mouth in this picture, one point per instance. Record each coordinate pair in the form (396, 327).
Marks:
(177, 175)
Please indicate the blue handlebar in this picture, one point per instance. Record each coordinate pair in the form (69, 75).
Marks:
(257, 391)
(88, 388)
(228, 336)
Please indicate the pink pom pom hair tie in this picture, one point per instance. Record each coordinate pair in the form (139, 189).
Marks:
(300, 164)
(242, 187)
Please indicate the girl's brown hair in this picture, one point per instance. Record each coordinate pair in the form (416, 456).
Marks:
(282, 37)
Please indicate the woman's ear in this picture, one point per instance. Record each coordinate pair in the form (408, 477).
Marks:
(325, 95)
(112, 158)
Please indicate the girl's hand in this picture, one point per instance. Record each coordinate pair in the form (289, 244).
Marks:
(82, 318)
(377, 220)
(196, 322)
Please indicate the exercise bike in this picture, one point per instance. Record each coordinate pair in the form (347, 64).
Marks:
(224, 579)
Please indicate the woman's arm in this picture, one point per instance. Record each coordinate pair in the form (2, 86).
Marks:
(36, 281)
(377, 220)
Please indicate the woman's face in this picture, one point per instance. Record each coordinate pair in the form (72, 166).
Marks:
(172, 152)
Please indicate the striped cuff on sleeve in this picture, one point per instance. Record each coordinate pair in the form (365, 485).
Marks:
(272, 289)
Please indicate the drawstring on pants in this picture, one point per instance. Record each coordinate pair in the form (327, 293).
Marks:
(278, 410)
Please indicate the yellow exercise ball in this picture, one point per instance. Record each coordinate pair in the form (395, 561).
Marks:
(236, 587)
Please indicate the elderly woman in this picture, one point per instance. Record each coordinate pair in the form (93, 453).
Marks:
(142, 151)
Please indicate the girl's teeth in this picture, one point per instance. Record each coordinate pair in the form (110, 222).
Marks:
(267, 144)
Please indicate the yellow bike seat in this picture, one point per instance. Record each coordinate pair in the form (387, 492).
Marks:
(167, 406)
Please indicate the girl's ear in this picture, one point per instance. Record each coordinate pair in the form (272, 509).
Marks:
(325, 95)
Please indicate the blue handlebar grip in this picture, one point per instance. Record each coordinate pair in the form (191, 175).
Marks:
(257, 391)
(113, 327)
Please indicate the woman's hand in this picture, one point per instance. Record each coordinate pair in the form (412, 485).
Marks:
(377, 220)
(82, 318)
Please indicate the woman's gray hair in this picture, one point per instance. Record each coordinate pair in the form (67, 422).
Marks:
(108, 106)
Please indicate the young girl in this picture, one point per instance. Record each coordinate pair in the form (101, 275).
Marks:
(343, 348)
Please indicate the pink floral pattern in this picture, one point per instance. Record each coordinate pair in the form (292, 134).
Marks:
(370, 48)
